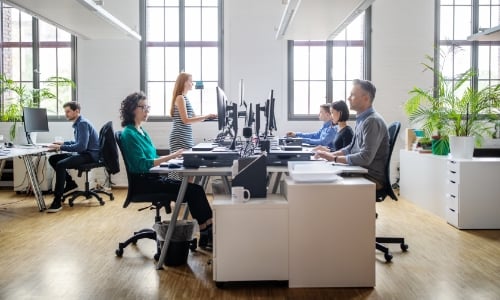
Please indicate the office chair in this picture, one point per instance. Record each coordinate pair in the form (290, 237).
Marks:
(157, 201)
(388, 191)
(105, 161)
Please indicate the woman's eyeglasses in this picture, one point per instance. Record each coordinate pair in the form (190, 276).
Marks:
(144, 108)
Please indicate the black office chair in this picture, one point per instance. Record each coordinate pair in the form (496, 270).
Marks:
(104, 162)
(388, 191)
(156, 200)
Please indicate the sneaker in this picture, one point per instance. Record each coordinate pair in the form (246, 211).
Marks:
(70, 186)
(55, 206)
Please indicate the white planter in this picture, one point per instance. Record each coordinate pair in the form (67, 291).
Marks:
(461, 147)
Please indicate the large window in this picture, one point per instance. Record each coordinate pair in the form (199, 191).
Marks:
(181, 35)
(32, 52)
(459, 19)
(322, 71)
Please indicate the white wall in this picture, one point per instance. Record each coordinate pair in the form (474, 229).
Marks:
(108, 70)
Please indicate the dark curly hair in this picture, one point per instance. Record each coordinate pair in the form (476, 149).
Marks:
(129, 104)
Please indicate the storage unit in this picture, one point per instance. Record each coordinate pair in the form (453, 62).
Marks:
(250, 239)
(472, 193)
(331, 233)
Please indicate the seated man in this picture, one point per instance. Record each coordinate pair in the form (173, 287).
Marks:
(370, 145)
(84, 149)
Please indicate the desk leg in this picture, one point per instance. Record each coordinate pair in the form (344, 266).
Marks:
(173, 220)
(33, 178)
(277, 181)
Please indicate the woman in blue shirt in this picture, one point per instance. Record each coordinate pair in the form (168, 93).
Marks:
(325, 135)
(140, 156)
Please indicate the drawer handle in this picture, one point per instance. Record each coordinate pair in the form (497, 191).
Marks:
(453, 172)
(452, 209)
(452, 181)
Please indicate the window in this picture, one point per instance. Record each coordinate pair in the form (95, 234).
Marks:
(34, 51)
(322, 71)
(181, 35)
(459, 19)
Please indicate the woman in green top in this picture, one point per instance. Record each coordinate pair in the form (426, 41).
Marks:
(140, 156)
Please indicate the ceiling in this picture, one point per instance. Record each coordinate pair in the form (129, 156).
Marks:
(82, 18)
(318, 19)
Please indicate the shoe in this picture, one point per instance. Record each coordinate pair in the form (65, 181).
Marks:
(70, 186)
(55, 206)
(206, 238)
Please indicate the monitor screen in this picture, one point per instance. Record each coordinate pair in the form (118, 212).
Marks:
(221, 108)
(35, 119)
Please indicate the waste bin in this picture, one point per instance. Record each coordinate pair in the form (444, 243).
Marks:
(178, 248)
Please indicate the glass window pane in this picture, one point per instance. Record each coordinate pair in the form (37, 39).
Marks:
(354, 61)
(210, 64)
(338, 63)
(47, 63)
(484, 62)
(301, 63)
(171, 24)
(193, 62)
(446, 25)
(156, 63)
(47, 32)
(462, 22)
(339, 90)
(484, 17)
(63, 36)
(462, 60)
(495, 62)
(157, 99)
(155, 28)
(317, 94)
(26, 28)
(301, 98)
(355, 29)
(64, 62)
(193, 24)
(195, 99)
(209, 102)
(318, 63)
(193, 2)
(171, 64)
(210, 25)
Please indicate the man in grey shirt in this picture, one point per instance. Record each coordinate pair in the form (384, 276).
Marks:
(370, 145)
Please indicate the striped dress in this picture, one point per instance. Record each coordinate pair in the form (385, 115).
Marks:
(182, 134)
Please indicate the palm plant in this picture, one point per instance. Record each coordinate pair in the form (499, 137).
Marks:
(451, 109)
(19, 95)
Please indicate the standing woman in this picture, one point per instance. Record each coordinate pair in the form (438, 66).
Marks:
(183, 115)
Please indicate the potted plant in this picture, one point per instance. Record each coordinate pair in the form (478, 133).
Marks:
(454, 110)
(16, 96)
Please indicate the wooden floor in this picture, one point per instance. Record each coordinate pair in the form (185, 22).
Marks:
(71, 255)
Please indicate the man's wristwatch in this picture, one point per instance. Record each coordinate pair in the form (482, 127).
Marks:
(335, 159)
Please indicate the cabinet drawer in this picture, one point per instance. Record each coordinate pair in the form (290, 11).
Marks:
(452, 165)
(452, 188)
(452, 176)
(452, 216)
(451, 202)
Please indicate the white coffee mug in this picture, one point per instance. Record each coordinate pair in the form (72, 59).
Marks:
(238, 194)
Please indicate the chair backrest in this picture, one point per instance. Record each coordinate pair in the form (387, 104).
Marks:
(393, 130)
(157, 199)
(108, 154)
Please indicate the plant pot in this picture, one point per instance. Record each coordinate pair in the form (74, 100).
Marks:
(461, 147)
(440, 147)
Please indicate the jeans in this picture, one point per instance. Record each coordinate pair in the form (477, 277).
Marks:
(63, 161)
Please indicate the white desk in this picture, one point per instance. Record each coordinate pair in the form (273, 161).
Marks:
(331, 233)
(26, 154)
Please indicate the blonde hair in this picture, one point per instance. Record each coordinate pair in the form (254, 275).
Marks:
(178, 89)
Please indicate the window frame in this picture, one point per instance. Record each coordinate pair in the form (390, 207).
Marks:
(182, 46)
(366, 44)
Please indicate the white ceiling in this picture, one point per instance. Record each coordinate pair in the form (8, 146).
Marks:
(82, 18)
(318, 19)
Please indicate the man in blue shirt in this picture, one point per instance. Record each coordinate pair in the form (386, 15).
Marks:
(84, 149)
(370, 146)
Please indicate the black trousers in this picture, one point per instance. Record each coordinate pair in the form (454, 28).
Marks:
(63, 161)
(195, 195)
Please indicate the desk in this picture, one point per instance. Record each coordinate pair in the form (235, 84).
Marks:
(26, 154)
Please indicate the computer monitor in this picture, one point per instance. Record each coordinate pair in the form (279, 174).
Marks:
(270, 116)
(221, 108)
(35, 120)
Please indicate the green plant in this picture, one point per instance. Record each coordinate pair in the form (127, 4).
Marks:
(454, 108)
(17, 95)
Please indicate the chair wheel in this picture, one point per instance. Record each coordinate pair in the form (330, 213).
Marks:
(388, 257)
(156, 257)
(111, 197)
(404, 247)
(119, 252)
(101, 203)
(193, 244)
(70, 203)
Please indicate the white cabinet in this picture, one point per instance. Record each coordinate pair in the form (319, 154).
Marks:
(250, 239)
(332, 233)
(473, 193)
